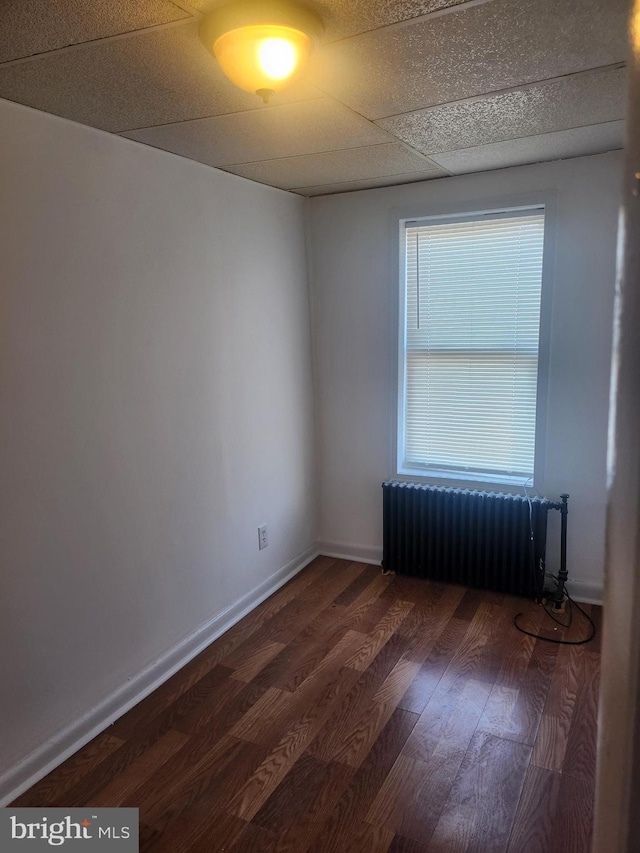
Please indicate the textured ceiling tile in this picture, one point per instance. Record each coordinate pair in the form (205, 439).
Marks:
(471, 51)
(343, 18)
(276, 131)
(352, 164)
(589, 98)
(151, 78)
(595, 139)
(34, 26)
(376, 183)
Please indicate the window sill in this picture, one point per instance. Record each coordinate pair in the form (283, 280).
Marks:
(460, 480)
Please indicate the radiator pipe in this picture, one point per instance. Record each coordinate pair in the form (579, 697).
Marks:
(563, 574)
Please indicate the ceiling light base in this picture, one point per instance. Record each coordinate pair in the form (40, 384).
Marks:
(265, 94)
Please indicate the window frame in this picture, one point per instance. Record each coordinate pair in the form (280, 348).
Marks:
(468, 212)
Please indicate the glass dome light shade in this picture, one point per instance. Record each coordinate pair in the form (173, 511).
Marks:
(261, 45)
(265, 56)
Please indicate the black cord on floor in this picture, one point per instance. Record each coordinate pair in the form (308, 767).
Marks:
(572, 604)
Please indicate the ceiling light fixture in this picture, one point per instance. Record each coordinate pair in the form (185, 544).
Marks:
(261, 45)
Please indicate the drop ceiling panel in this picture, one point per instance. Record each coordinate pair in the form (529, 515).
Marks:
(343, 18)
(592, 97)
(352, 164)
(352, 186)
(33, 26)
(152, 78)
(279, 131)
(471, 51)
(594, 139)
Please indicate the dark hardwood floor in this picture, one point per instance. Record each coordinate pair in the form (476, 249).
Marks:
(359, 713)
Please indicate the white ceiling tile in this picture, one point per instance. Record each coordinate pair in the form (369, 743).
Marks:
(343, 18)
(33, 26)
(578, 142)
(471, 51)
(351, 164)
(592, 97)
(374, 183)
(152, 78)
(307, 127)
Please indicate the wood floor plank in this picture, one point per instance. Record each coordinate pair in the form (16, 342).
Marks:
(563, 690)
(298, 659)
(411, 799)
(406, 588)
(380, 635)
(220, 833)
(365, 838)
(254, 839)
(479, 812)
(357, 837)
(288, 621)
(550, 746)
(297, 808)
(219, 710)
(361, 712)
(468, 605)
(348, 712)
(369, 607)
(353, 805)
(554, 814)
(139, 771)
(359, 740)
(357, 586)
(515, 712)
(174, 703)
(256, 662)
(470, 654)
(518, 646)
(434, 666)
(152, 796)
(428, 626)
(406, 845)
(258, 723)
(580, 756)
(206, 788)
(279, 762)
(427, 606)
(448, 723)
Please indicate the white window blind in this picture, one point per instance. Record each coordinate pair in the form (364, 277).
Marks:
(471, 330)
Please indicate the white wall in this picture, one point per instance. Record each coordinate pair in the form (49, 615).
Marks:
(156, 407)
(354, 285)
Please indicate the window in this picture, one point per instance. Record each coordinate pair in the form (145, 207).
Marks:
(469, 336)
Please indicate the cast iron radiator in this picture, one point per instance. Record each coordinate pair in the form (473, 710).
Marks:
(480, 539)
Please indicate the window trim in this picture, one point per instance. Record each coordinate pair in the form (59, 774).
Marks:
(461, 212)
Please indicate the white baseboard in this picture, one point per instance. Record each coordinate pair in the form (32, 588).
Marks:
(345, 551)
(585, 592)
(582, 591)
(59, 747)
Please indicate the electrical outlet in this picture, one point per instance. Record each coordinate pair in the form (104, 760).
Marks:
(263, 541)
